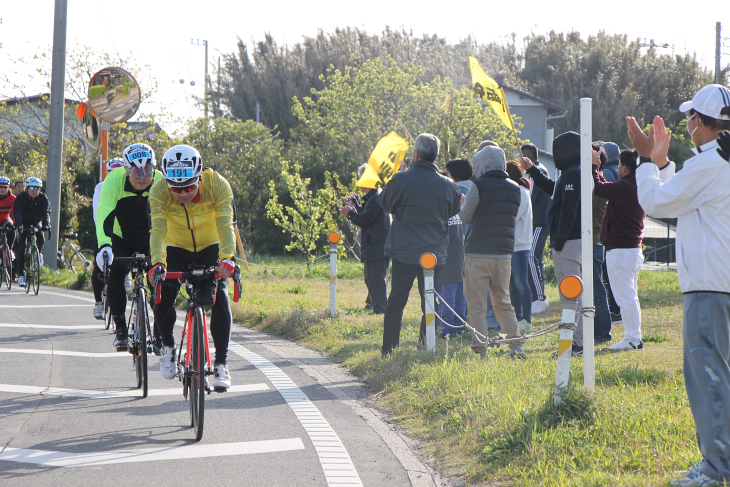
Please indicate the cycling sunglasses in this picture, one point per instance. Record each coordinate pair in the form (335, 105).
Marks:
(31, 188)
(147, 172)
(180, 189)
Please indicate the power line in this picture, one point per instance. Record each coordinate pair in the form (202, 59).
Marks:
(121, 63)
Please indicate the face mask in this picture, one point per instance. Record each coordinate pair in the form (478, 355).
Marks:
(691, 133)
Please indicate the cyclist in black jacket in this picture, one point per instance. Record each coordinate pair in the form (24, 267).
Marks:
(30, 208)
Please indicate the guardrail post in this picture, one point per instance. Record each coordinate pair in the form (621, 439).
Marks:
(428, 262)
(570, 287)
(334, 239)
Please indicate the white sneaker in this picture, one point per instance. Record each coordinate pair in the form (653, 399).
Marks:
(127, 283)
(525, 326)
(99, 310)
(538, 306)
(697, 479)
(697, 467)
(168, 368)
(627, 344)
(222, 378)
(21, 281)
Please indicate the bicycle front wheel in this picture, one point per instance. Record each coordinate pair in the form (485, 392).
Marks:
(81, 261)
(140, 340)
(36, 270)
(7, 269)
(197, 374)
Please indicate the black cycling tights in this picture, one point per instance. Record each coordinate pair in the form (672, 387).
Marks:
(178, 260)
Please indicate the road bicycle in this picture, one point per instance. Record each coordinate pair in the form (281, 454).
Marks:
(138, 325)
(108, 321)
(32, 267)
(72, 257)
(194, 365)
(6, 270)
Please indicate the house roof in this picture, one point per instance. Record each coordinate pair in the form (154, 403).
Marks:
(29, 99)
(553, 109)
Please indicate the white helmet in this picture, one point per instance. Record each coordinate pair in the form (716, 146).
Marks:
(115, 163)
(140, 159)
(182, 165)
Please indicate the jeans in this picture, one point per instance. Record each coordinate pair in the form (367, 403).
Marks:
(453, 294)
(568, 262)
(519, 285)
(602, 323)
(491, 317)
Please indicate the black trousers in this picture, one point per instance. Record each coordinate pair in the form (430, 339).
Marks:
(97, 279)
(179, 260)
(23, 242)
(376, 279)
(403, 276)
(537, 270)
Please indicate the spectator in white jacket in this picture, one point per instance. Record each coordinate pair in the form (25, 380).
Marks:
(699, 198)
(519, 284)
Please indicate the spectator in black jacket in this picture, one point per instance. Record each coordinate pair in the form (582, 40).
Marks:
(374, 226)
(30, 208)
(563, 218)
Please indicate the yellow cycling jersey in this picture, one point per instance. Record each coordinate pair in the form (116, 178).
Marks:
(192, 226)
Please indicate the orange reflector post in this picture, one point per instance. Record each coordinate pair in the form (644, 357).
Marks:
(333, 237)
(81, 111)
(428, 261)
(571, 287)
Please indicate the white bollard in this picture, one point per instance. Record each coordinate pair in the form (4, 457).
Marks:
(586, 225)
(428, 262)
(333, 238)
(571, 287)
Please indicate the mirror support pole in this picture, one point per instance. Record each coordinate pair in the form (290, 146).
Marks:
(55, 136)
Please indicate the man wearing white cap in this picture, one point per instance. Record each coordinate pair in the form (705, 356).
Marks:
(702, 207)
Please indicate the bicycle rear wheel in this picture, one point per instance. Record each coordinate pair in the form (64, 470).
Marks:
(81, 261)
(140, 340)
(36, 270)
(197, 375)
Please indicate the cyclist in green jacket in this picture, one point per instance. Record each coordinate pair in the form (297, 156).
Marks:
(122, 226)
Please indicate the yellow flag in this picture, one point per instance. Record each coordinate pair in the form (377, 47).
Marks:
(489, 91)
(384, 161)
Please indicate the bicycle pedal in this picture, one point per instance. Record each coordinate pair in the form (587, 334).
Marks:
(220, 389)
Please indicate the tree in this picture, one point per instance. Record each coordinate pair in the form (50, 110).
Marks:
(311, 215)
(342, 123)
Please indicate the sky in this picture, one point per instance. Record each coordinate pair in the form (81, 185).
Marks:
(158, 33)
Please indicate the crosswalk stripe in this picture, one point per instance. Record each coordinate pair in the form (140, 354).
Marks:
(59, 391)
(64, 459)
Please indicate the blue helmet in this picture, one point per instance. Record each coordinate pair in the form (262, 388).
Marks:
(5, 182)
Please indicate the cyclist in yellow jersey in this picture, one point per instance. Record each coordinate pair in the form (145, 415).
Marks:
(191, 212)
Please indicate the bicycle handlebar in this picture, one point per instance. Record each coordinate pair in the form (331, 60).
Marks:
(200, 275)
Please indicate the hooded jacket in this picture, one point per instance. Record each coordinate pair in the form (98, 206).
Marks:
(491, 207)
(563, 218)
(374, 224)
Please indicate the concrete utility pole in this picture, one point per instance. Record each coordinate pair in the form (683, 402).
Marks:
(55, 136)
(718, 50)
(207, 78)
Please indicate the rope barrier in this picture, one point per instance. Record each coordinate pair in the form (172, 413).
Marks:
(500, 339)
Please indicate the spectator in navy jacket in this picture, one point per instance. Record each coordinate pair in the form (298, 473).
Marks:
(622, 233)
(563, 218)
(374, 225)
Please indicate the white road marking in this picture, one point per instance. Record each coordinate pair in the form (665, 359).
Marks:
(47, 306)
(58, 391)
(64, 352)
(336, 462)
(55, 327)
(63, 459)
(81, 298)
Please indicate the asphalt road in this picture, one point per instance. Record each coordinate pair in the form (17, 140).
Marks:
(70, 412)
